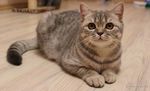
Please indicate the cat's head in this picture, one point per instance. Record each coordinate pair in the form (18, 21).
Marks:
(101, 26)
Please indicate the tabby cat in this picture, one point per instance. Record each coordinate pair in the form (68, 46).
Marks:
(85, 43)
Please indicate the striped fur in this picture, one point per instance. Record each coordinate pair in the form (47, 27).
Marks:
(17, 49)
(92, 55)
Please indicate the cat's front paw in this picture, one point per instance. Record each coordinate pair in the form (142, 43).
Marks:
(95, 81)
(110, 77)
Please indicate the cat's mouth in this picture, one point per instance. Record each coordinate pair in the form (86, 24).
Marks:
(102, 37)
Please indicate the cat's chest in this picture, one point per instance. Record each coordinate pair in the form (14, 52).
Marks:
(97, 62)
(93, 63)
(98, 65)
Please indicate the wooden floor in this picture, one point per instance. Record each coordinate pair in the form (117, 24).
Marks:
(39, 74)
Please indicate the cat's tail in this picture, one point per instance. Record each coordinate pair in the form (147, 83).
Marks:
(17, 49)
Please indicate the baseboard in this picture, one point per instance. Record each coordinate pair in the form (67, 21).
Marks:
(18, 5)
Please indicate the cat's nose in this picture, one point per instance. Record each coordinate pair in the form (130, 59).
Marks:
(99, 33)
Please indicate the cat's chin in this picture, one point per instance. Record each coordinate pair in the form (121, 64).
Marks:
(104, 38)
(100, 38)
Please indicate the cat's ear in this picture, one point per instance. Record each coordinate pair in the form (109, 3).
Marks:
(84, 10)
(118, 10)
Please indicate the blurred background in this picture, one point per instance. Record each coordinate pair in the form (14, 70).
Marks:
(39, 5)
(18, 21)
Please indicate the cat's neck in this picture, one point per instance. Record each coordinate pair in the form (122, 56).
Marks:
(96, 50)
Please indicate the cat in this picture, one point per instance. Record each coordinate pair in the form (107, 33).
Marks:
(85, 43)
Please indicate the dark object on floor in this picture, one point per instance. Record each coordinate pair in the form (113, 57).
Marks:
(147, 5)
(54, 3)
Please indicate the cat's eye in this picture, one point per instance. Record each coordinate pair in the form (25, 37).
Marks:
(109, 26)
(91, 26)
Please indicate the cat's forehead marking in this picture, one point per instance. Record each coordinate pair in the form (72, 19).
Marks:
(100, 18)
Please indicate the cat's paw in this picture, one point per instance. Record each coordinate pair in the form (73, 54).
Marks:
(95, 81)
(110, 77)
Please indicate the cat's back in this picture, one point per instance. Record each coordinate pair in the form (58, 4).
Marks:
(68, 17)
(57, 32)
(53, 21)
(67, 28)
